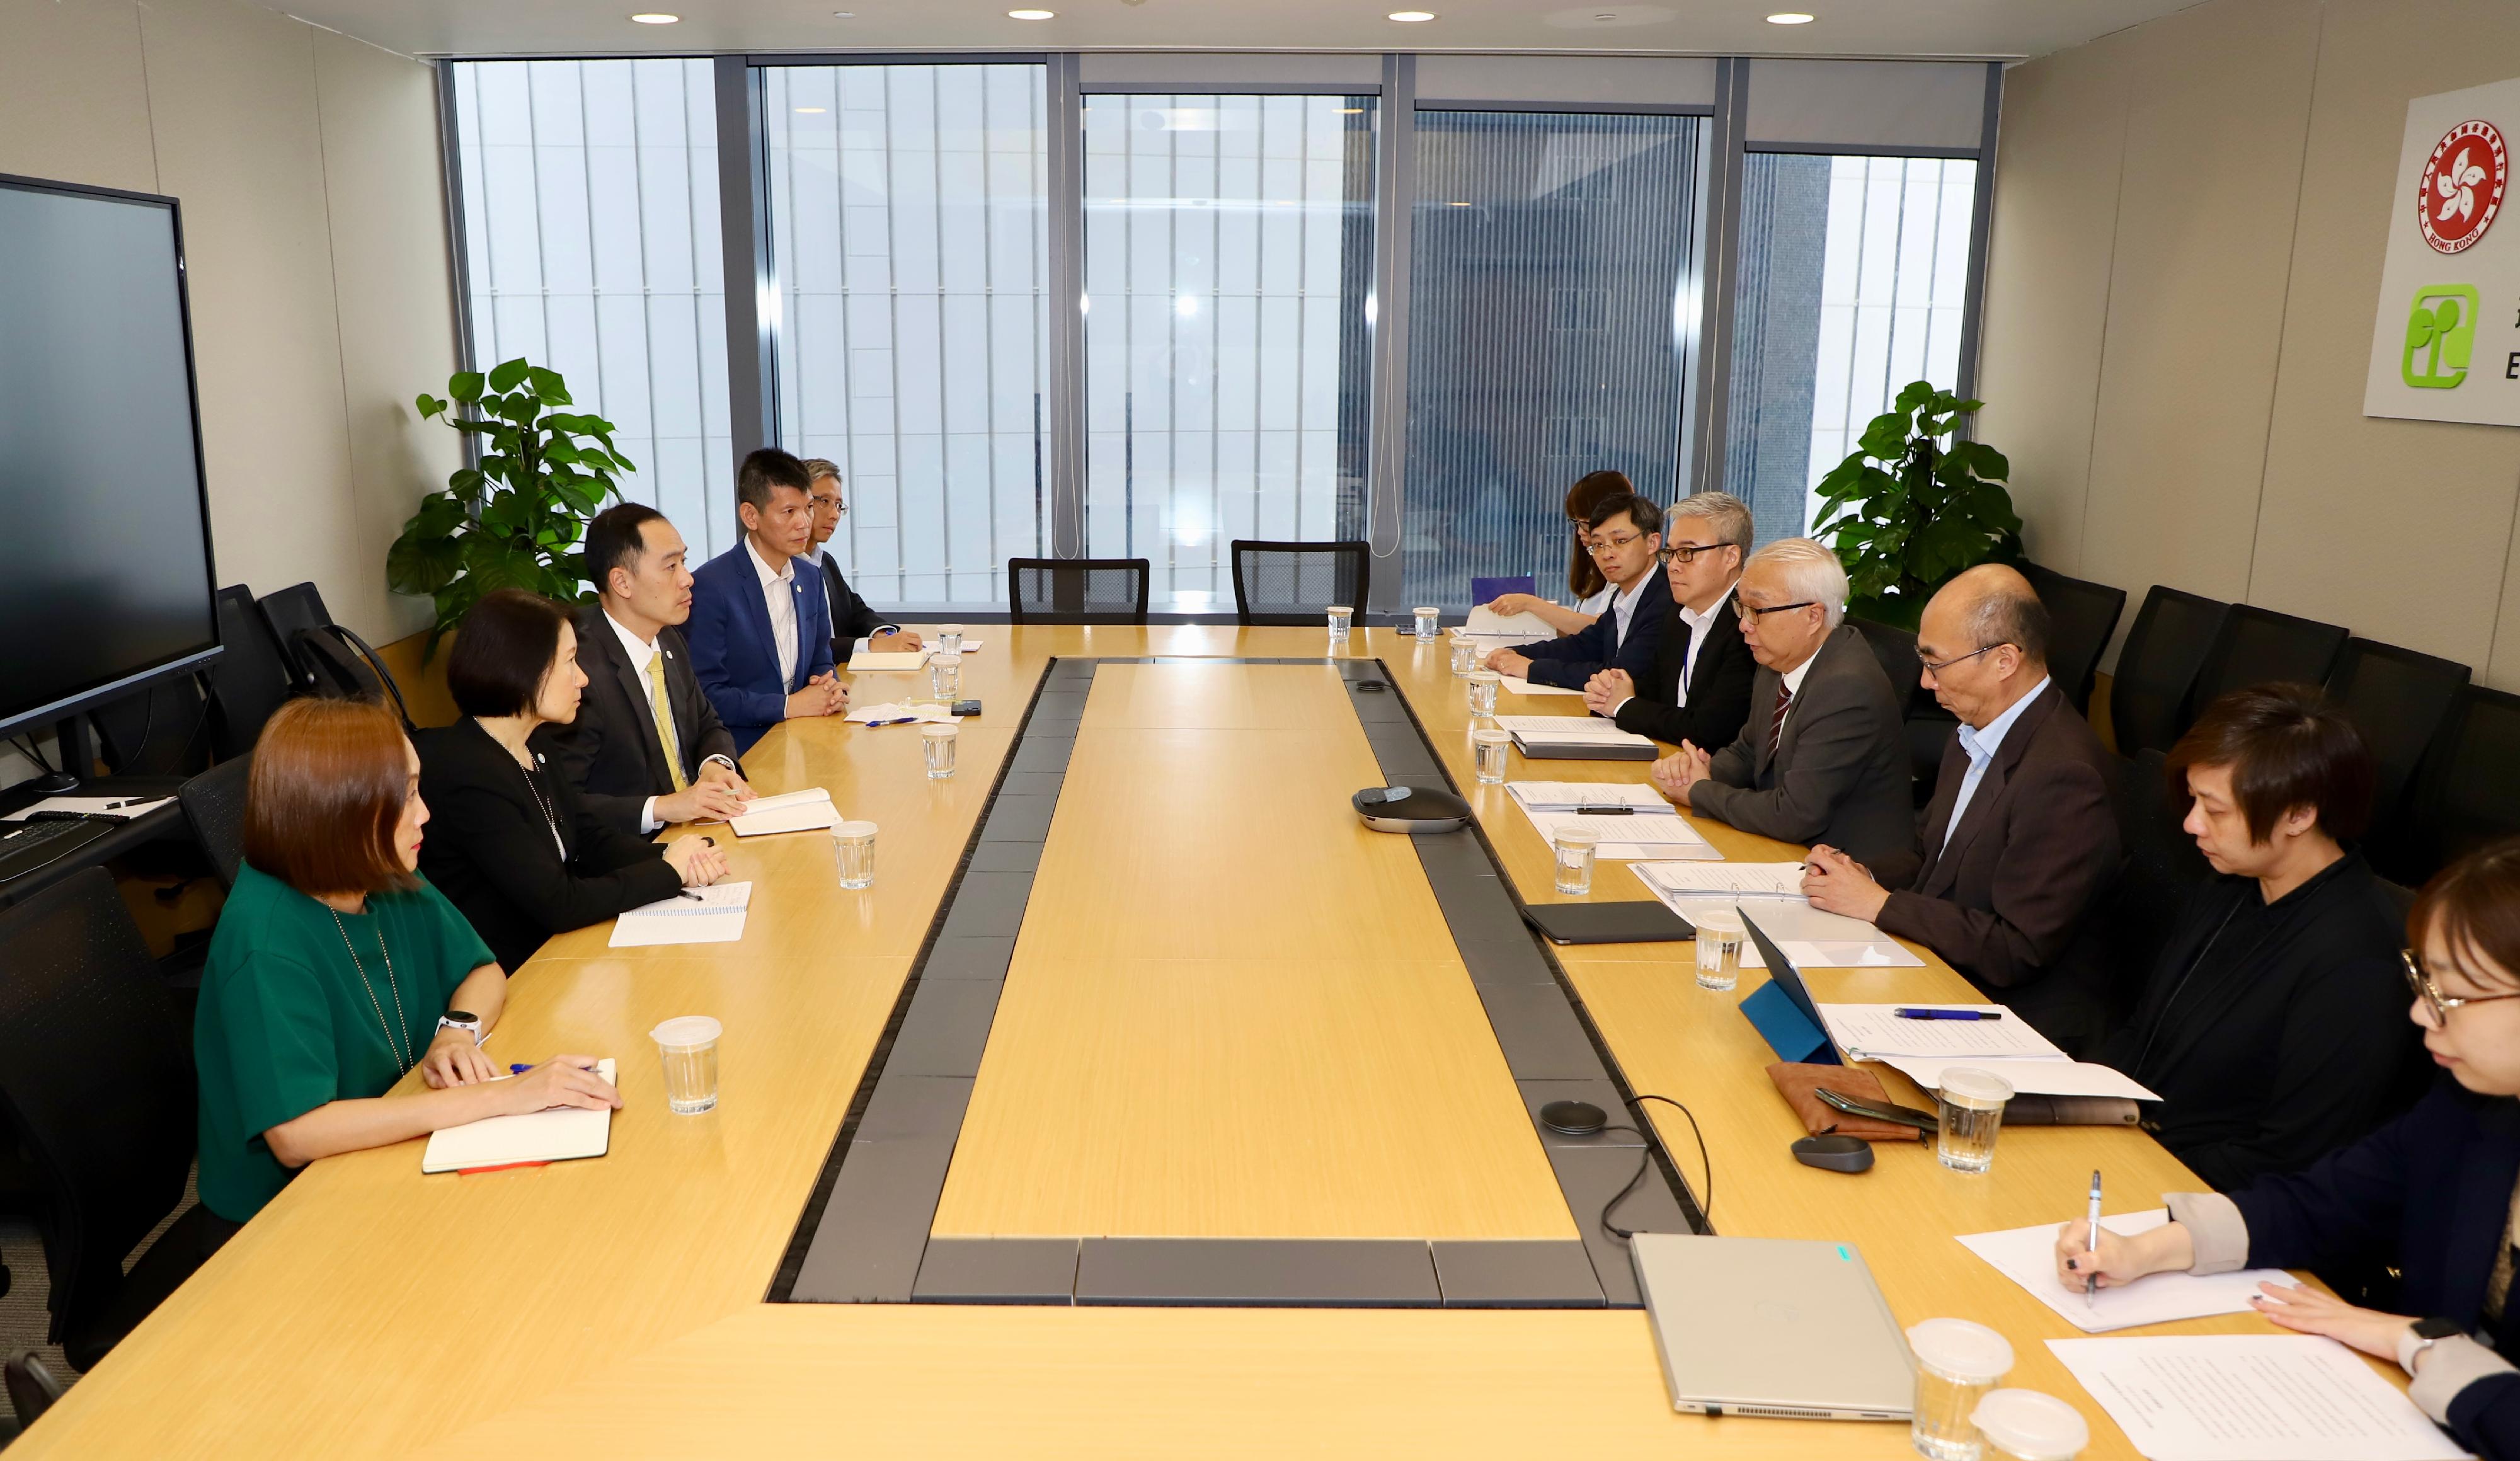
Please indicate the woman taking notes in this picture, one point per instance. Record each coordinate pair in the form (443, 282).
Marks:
(334, 970)
(516, 850)
(2434, 1193)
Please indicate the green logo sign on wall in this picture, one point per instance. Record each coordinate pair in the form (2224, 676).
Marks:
(2440, 331)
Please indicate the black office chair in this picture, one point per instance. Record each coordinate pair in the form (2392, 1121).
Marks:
(2465, 794)
(1291, 583)
(1929, 725)
(32, 1386)
(290, 612)
(2081, 618)
(2260, 647)
(1079, 590)
(2399, 701)
(248, 679)
(95, 1082)
(2162, 869)
(156, 731)
(2157, 668)
(213, 805)
(326, 659)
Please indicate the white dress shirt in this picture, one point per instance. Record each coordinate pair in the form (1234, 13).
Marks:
(1980, 746)
(1794, 678)
(779, 593)
(640, 652)
(1696, 623)
(1623, 610)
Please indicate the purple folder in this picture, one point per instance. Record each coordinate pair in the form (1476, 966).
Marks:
(1489, 590)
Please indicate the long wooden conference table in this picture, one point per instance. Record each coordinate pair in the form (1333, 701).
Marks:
(1231, 1013)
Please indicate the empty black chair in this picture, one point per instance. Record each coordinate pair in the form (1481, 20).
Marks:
(156, 731)
(291, 612)
(327, 658)
(2465, 794)
(2260, 647)
(1291, 583)
(95, 1082)
(213, 805)
(2398, 700)
(1079, 590)
(248, 679)
(2081, 618)
(1896, 649)
(1929, 725)
(2157, 668)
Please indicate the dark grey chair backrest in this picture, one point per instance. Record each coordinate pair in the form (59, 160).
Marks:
(1079, 590)
(2081, 618)
(2157, 668)
(1292, 582)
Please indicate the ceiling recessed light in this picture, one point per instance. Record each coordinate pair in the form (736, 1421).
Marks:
(1412, 17)
(1033, 14)
(1789, 17)
(655, 18)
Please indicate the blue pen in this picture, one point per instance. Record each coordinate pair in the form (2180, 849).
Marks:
(1908, 1014)
(518, 1069)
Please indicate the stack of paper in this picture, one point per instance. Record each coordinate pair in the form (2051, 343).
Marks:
(2251, 1398)
(790, 811)
(1508, 628)
(1647, 827)
(563, 1133)
(895, 714)
(696, 915)
(1569, 796)
(1512, 686)
(1721, 881)
(1575, 738)
(881, 661)
(1923, 1049)
(2028, 1258)
(1810, 938)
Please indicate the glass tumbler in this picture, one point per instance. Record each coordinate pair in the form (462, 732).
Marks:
(1719, 949)
(853, 848)
(949, 638)
(1341, 616)
(1958, 1362)
(945, 677)
(1484, 684)
(1465, 655)
(940, 741)
(2024, 1425)
(1428, 622)
(1490, 748)
(687, 1045)
(1972, 1106)
(1575, 847)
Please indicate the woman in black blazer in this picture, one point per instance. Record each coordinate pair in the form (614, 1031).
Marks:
(2433, 1193)
(512, 847)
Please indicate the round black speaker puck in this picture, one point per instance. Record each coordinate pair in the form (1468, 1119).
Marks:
(1573, 1117)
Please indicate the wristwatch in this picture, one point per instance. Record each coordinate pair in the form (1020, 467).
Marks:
(2421, 1336)
(463, 1020)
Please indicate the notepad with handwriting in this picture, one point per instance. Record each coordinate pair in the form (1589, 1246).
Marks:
(563, 1133)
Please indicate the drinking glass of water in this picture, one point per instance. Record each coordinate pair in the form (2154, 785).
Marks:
(1972, 1105)
(1341, 616)
(687, 1045)
(1428, 622)
(1490, 748)
(1465, 655)
(949, 638)
(945, 677)
(1958, 1362)
(1484, 684)
(853, 848)
(1719, 949)
(1575, 847)
(940, 741)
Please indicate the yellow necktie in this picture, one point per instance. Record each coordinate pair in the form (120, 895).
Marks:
(664, 709)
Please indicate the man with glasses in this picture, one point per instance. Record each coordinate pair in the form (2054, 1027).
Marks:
(2020, 840)
(1701, 686)
(1627, 537)
(855, 628)
(1823, 756)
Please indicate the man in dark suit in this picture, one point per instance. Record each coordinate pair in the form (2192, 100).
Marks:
(855, 626)
(2020, 840)
(1700, 687)
(1627, 544)
(761, 631)
(646, 749)
(1823, 758)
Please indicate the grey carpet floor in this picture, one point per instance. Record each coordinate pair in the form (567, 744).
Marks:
(23, 1319)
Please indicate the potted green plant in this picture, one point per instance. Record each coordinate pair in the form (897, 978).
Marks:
(516, 517)
(1909, 507)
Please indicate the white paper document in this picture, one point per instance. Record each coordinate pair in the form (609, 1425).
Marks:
(710, 915)
(886, 661)
(1871, 1031)
(789, 811)
(966, 647)
(1517, 628)
(2252, 1398)
(1664, 834)
(1566, 796)
(2028, 1258)
(1811, 938)
(1512, 686)
(113, 808)
(563, 1133)
(2030, 1078)
(1724, 880)
(896, 713)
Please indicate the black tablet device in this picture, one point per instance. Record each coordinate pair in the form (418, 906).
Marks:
(1607, 923)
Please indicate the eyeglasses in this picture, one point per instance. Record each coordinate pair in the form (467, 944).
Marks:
(2430, 993)
(1607, 544)
(1933, 668)
(1687, 553)
(1755, 613)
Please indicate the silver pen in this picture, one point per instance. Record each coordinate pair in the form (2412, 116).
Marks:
(2092, 1245)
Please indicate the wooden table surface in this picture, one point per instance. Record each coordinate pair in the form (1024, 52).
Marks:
(614, 1308)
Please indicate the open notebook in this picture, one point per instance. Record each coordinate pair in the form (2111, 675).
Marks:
(563, 1133)
(789, 811)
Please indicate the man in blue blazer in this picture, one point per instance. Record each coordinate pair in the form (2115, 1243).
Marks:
(760, 631)
(1627, 544)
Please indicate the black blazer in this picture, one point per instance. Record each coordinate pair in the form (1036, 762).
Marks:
(2429, 1193)
(1719, 695)
(2285, 1039)
(610, 754)
(1570, 659)
(490, 849)
(851, 619)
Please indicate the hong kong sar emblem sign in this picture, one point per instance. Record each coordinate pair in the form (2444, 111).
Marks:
(2462, 189)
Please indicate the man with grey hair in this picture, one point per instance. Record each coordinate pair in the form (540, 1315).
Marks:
(1823, 758)
(2020, 840)
(854, 627)
(1699, 689)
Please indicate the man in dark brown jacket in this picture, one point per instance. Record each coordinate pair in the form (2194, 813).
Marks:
(2020, 839)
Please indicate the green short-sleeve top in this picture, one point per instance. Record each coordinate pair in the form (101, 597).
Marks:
(285, 1021)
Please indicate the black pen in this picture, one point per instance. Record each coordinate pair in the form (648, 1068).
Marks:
(684, 893)
(119, 805)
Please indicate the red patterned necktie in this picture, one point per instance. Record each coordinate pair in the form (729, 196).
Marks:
(1776, 721)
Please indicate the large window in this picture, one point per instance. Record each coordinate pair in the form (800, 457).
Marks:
(1551, 285)
(1854, 278)
(592, 247)
(1227, 253)
(907, 235)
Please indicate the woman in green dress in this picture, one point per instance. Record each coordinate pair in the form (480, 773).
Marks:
(336, 969)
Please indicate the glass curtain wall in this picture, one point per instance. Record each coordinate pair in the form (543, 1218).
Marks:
(909, 238)
(592, 247)
(1229, 247)
(1854, 278)
(1552, 276)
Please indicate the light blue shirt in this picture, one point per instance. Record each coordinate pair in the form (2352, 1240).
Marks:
(1980, 747)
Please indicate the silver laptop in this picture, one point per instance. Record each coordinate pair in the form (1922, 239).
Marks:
(1772, 1326)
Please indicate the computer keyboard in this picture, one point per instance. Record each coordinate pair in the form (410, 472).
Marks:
(25, 846)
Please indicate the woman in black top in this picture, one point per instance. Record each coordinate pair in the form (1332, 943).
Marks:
(512, 847)
(2273, 1025)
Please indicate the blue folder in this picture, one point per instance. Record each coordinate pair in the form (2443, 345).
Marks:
(1489, 590)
